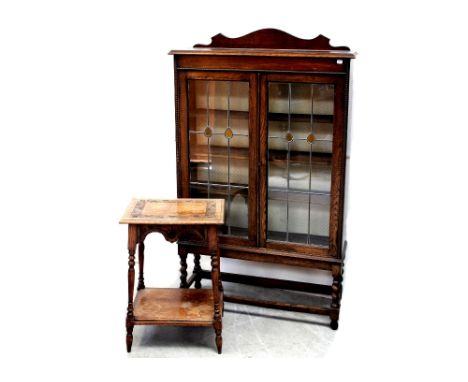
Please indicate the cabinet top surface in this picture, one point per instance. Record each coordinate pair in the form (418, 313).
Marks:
(265, 52)
(174, 211)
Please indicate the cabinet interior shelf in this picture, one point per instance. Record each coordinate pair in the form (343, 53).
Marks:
(240, 113)
(301, 238)
(318, 158)
(299, 196)
(272, 116)
(200, 153)
(280, 194)
(319, 118)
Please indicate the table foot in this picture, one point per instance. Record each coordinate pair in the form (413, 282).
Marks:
(219, 338)
(129, 338)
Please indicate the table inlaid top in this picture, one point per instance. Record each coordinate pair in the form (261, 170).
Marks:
(174, 211)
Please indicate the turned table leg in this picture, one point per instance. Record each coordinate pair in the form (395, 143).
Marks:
(132, 240)
(141, 262)
(197, 270)
(337, 274)
(220, 283)
(217, 303)
(216, 283)
(183, 267)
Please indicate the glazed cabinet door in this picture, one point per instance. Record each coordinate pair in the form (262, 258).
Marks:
(218, 125)
(302, 138)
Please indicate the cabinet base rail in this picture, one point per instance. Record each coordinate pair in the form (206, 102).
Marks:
(318, 289)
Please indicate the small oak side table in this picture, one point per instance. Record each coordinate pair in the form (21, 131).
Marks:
(177, 219)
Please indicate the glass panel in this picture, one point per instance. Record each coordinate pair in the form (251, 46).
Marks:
(300, 137)
(218, 147)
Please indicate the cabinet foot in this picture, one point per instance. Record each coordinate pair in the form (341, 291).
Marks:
(337, 288)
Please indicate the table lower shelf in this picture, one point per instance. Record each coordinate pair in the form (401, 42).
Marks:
(174, 307)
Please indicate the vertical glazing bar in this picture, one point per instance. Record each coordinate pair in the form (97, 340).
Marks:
(207, 104)
(287, 163)
(209, 167)
(310, 156)
(229, 158)
(310, 195)
(268, 166)
(208, 125)
(229, 105)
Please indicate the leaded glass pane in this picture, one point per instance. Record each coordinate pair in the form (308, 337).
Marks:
(300, 137)
(218, 147)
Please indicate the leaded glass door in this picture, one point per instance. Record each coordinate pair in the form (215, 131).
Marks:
(220, 136)
(299, 132)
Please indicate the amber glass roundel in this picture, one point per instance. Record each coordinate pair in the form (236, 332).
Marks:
(208, 132)
(310, 138)
(289, 137)
(228, 133)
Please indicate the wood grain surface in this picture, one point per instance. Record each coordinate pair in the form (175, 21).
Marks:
(174, 306)
(175, 211)
(265, 53)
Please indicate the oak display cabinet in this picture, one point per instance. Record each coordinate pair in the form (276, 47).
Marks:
(261, 121)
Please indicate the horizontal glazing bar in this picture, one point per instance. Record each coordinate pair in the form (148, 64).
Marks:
(305, 139)
(302, 139)
(273, 113)
(298, 191)
(220, 185)
(203, 132)
(221, 110)
(319, 118)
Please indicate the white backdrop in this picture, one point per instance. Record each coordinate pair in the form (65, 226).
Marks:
(87, 121)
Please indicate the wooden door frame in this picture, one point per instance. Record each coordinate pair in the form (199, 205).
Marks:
(338, 163)
(183, 165)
